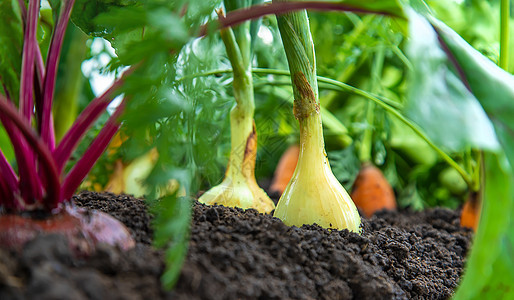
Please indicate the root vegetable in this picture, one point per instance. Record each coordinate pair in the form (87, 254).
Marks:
(371, 192)
(313, 195)
(470, 214)
(239, 187)
(285, 169)
(84, 229)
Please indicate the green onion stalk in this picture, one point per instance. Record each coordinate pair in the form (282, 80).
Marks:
(239, 187)
(314, 195)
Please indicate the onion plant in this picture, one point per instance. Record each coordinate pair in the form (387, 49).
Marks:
(313, 195)
(38, 196)
(239, 187)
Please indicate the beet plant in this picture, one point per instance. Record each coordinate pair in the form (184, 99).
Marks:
(36, 192)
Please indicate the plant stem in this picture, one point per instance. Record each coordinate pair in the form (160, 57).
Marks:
(336, 85)
(9, 113)
(330, 122)
(257, 11)
(8, 183)
(313, 195)
(89, 158)
(477, 172)
(40, 65)
(28, 59)
(84, 121)
(366, 147)
(504, 34)
(367, 139)
(8, 173)
(388, 105)
(299, 48)
(349, 43)
(46, 125)
(241, 117)
(29, 184)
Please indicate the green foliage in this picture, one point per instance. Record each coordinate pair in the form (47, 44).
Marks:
(489, 273)
(392, 7)
(175, 212)
(345, 164)
(11, 45)
(153, 36)
(208, 128)
(276, 125)
(489, 270)
(85, 11)
(438, 96)
(185, 115)
(491, 85)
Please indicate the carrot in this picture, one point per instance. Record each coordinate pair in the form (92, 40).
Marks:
(371, 192)
(470, 214)
(285, 169)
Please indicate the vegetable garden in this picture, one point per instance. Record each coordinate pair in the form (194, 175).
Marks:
(245, 149)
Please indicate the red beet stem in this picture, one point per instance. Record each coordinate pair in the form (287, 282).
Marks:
(46, 130)
(95, 150)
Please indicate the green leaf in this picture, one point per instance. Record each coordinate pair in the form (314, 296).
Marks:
(412, 146)
(45, 30)
(255, 25)
(7, 148)
(11, 44)
(56, 8)
(173, 216)
(231, 5)
(391, 7)
(490, 84)
(137, 30)
(490, 268)
(420, 6)
(85, 11)
(438, 100)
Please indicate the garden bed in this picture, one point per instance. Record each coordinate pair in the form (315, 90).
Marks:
(236, 254)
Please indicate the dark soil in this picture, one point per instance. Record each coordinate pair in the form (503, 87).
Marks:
(236, 254)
